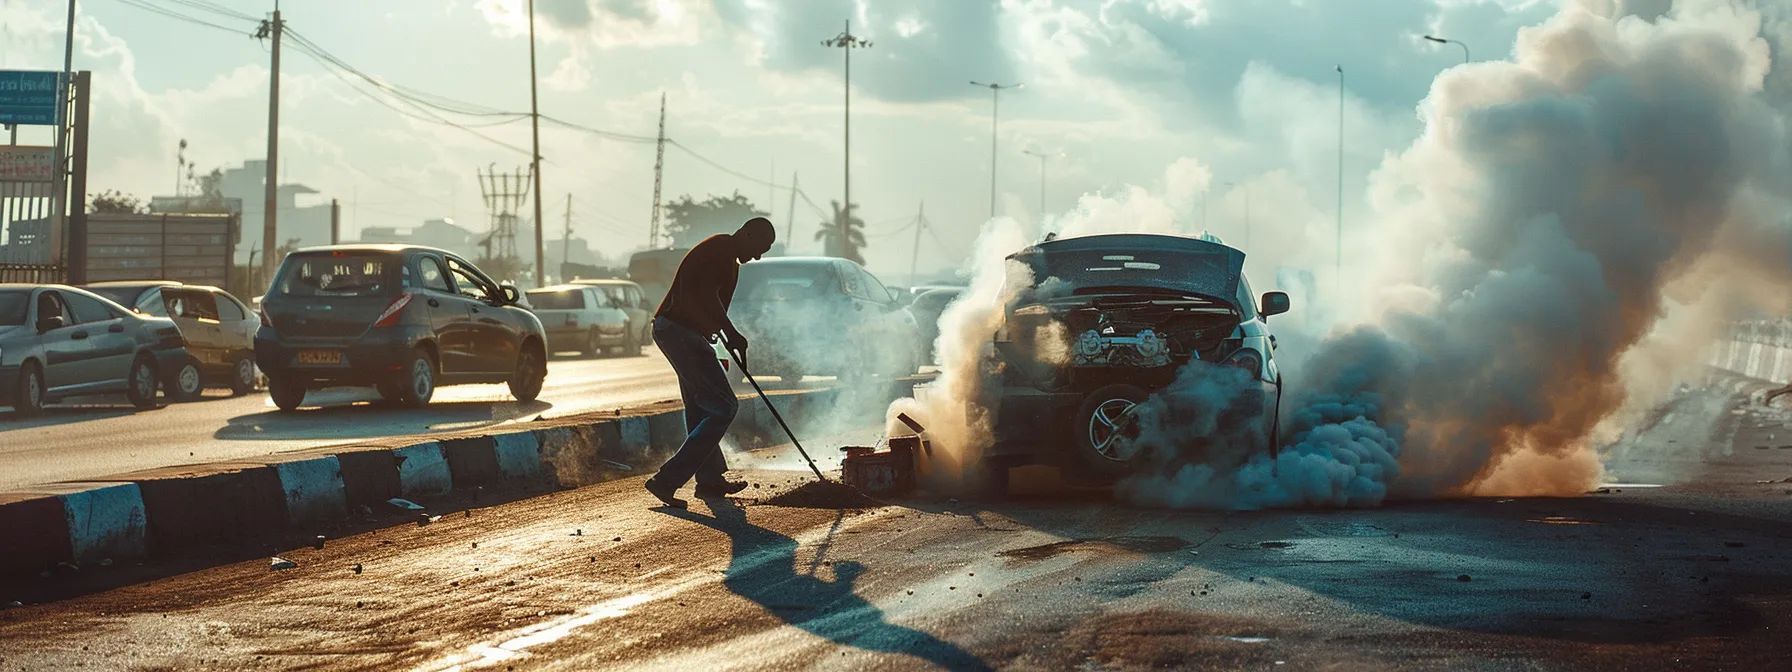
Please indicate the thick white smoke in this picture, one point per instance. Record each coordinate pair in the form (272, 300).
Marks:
(1549, 252)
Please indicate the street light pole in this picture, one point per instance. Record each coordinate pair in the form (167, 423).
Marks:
(1043, 156)
(535, 151)
(995, 108)
(1441, 40)
(846, 42)
(1339, 251)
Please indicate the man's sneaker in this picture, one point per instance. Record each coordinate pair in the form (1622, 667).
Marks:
(724, 489)
(664, 494)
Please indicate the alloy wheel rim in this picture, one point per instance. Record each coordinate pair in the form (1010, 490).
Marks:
(1107, 424)
(146, 381)
(35, 390)
(245, 372)
(420, 381)
(189, 379)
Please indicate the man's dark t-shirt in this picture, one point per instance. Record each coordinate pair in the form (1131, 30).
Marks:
(703, 288)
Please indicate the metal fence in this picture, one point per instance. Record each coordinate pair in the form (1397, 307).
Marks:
(26, 221)
(36, 274)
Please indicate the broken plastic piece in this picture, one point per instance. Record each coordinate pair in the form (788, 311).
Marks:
(406, 504)
(278, 563)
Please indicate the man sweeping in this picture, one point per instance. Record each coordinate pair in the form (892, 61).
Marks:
(693, 314)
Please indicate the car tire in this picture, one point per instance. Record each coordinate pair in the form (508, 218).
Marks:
(242, 376)
(28, 399)
(631, 346)
(593, 344)
(531, 371)
(187, 383)
(418, 385)
(141, 382)
(1102, 424)
(288, 393)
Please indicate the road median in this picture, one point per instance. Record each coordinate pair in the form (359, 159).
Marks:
(158, 512)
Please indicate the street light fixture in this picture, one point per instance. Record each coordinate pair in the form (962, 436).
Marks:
(995, 106)
(1441, 40)
(1043, 156)
(847, 42)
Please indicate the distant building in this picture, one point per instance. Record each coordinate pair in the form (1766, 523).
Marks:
(440, 233)
(244, 193)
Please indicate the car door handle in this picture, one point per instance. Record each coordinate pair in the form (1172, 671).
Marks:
(79, 335)
(116, 328)
(435, 304)
(475, 309)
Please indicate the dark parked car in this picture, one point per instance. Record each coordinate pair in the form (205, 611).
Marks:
(402, 319)
(927, 307)
(58, 342)
(822, 316)
(219, 331)
(1134, 308)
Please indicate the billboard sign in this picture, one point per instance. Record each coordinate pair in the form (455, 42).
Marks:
(20, 163)
(29, 97)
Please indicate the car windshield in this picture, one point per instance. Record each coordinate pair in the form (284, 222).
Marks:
(771, 282)
(338, 274)
(557, 299)
(124, 296)
(13, 303)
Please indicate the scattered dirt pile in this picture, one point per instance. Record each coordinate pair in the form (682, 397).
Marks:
(822, 495)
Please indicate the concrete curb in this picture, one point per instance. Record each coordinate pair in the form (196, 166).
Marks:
(161, 510)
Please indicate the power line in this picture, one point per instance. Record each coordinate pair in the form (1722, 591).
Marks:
(144, 5)
(612, 135)
(215, 8)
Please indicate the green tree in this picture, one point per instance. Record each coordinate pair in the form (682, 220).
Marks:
(689, 221)
(116, 203)
(845, 236)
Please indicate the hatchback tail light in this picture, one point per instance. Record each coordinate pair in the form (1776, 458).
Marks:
(266, 321)
(1247, 359)
(389, 317)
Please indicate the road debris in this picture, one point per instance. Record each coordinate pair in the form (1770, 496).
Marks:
(822, 495)
(278, 563)
(406, 504)
(318, 542)
(1464, 578)
(357, 568)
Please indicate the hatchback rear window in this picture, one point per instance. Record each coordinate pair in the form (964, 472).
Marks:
(12, 307)
(339, 274)
(557, 299)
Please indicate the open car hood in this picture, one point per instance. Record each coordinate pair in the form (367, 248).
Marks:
(1071, 266)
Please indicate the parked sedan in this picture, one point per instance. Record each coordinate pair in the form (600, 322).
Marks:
(400, 318)
(823, 316)
(58, 342)
(632, 299)
(579, 317)
(219, 331)
(927, 308)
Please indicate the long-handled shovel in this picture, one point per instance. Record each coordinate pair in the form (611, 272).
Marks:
(776, 415)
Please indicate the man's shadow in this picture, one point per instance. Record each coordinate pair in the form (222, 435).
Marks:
(763, 569)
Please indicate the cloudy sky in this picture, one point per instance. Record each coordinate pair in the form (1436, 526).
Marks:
(1236, 100)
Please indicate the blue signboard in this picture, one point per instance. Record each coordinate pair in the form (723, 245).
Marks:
(28, 97)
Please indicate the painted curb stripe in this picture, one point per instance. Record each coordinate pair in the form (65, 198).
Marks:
(314, 490)
(422, 470)
(107, 522)
(519, 455)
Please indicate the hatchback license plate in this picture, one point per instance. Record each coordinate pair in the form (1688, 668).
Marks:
(320, 356)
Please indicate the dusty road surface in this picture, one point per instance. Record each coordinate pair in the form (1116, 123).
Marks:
(1689, 575)
(99, 436)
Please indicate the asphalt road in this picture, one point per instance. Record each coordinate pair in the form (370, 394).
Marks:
(93, 437)
(1687, 575)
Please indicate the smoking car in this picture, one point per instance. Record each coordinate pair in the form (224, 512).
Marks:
(1097, 324)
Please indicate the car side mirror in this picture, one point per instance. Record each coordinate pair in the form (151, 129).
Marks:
(508, 294)
(51, 323)
(1274, 303)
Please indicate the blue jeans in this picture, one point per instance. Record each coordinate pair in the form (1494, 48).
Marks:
(709, 405)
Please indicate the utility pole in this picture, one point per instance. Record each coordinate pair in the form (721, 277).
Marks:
(846, 42)
(1043, 156)
(915, 259)
(535, 170)
(335, 222)
(271, 190)
(566, 238)
(1339, 269)
(659, 163)
(790, 216)
(995, 108)
(63, 215)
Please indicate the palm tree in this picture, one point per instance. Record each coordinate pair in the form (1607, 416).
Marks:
(845, 236)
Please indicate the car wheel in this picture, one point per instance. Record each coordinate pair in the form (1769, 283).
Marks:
(242, 376)
(631, 346)
(29, 398)
(419, 383)
(593, 344)
(531, 372)
(1104, 426)
(288, 393)
(186, 383)
(141, 383)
